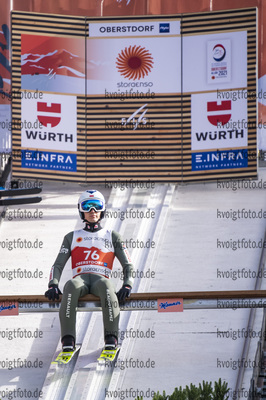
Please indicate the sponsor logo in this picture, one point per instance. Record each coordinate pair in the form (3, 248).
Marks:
(134, 62)
(63, 250)
(48, 160)
(219, 61)
(170, 305)
(127, 254)
(164, 27)
(211, 122)
(218, 52)
(93, 238)
(51, 273)
(226, 159)
(7, 308)
(220, 135)
(93, 268)
(68, 305)
(49, 136)
(109, 303)
(219, 113)
(57, 117)
(48, 119)
(79, 239)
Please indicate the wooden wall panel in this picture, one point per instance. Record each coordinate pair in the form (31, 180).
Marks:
(105, 149)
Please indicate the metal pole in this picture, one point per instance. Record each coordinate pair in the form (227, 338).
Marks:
(147, 301)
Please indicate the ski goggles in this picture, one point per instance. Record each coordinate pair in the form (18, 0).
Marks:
(88, 205)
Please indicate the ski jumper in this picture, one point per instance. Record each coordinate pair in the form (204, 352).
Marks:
(92, 251)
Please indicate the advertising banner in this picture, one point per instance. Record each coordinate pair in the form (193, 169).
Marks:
(134, 58)
(52, 64)
(219, 61)
(218, 120)
(215, 61)
(176, 86)
(49, 122)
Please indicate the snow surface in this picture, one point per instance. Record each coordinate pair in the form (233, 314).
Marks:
(186, 347)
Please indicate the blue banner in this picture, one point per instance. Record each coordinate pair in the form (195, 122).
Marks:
(48, 160)
(225, 159)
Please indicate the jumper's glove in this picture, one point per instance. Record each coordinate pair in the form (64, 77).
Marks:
(53, 292)
(123, 293)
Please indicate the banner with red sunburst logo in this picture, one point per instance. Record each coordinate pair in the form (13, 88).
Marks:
(134, 59)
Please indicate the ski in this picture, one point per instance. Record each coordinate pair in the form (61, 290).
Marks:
(108, 355)
(64, 357)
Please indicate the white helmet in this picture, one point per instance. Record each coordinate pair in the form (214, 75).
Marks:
(91, 199)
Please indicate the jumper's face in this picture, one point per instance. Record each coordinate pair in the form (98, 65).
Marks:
(92, 216)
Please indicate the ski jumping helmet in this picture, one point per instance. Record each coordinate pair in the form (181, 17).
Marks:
(91, 199)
